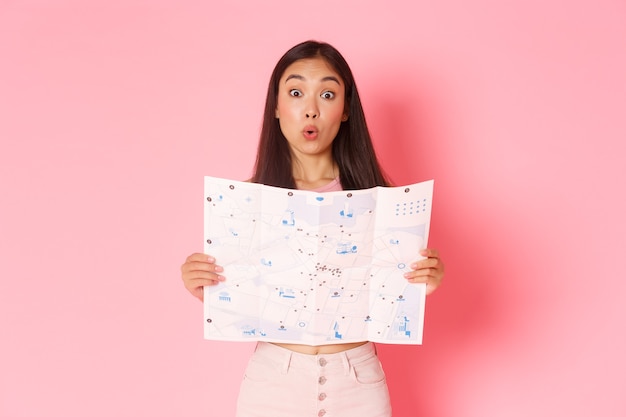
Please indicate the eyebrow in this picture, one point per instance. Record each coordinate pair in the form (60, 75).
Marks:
(301, 78)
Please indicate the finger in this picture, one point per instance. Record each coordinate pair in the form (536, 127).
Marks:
(422, 275)
(426, 263)
(200, 266)
(422, 272)
(430, 253)
(199, 283)
(200, 257)
(417, 280)
(200, 274)
(203, 277)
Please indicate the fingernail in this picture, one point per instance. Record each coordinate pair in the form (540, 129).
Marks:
(219, 268)
(210, 259)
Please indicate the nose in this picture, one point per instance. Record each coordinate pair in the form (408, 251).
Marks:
(312, 112)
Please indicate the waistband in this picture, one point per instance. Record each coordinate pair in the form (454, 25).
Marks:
(285, 358)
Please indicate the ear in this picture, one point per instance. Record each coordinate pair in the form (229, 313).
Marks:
(344, 117)
(276, 114)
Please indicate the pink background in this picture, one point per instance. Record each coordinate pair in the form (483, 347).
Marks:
(111, 112)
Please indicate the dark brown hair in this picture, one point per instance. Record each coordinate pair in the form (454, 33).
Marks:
(352, 148)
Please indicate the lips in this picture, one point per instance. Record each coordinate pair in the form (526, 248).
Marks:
(310, 132)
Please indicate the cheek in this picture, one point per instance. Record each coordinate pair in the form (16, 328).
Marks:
(284, 111)
(337, 114)
(338, 109)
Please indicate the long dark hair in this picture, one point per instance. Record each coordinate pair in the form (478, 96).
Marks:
(352, 148)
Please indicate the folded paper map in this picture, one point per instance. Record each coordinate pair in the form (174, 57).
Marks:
(315, 268)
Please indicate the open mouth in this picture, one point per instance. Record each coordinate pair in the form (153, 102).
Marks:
(310, 132)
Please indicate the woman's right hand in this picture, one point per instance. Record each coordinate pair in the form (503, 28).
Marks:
(199, 270)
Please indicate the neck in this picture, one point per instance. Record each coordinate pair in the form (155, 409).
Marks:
(314, 172)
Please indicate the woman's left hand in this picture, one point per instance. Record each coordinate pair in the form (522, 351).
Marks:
(428, 271)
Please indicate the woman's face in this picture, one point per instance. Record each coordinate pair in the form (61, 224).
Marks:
(310, 106)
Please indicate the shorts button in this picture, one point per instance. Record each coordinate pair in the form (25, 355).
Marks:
(323, 362)
(322, 396)
(322, 380)
(321, 413)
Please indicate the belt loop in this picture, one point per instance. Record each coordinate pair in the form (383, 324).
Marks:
(345, 361)
(286, 362)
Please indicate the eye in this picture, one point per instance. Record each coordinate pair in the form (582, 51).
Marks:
(328, 95)
(295, 93)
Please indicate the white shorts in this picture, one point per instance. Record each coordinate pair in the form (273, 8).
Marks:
(281, 383)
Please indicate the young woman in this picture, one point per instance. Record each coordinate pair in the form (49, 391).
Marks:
(314, 137)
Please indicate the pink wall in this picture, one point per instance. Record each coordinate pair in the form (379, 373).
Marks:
(112, 111)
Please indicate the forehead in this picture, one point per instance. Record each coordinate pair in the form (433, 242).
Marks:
(311, 69)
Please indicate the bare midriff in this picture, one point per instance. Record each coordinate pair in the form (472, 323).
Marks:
(322, 349)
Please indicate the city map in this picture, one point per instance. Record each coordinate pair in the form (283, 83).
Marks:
(315, 268)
